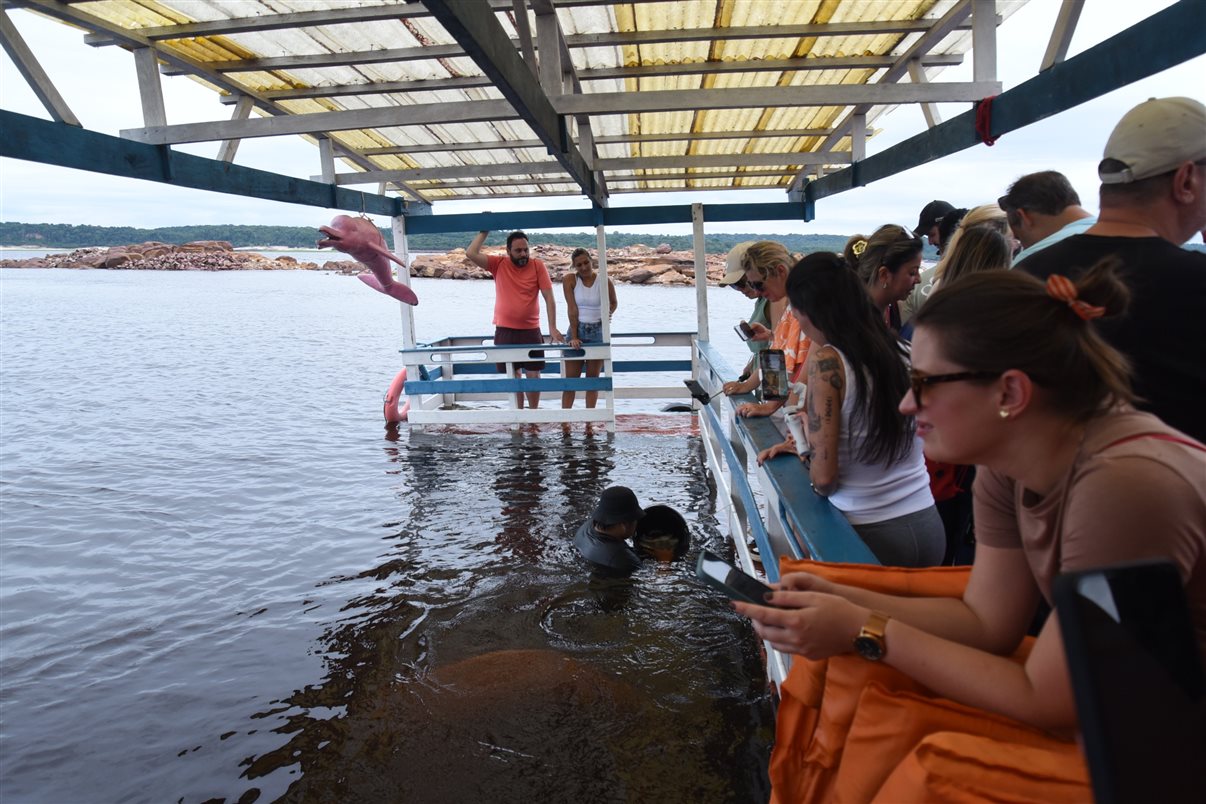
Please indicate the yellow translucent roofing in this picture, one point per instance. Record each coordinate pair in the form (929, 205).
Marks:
(613, 97)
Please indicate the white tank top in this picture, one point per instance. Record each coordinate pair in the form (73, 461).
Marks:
(589, 300)
(872, 492)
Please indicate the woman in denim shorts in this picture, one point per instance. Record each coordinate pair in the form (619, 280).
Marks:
(584, 299)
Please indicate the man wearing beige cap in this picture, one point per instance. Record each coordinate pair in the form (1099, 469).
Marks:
(1153, 199)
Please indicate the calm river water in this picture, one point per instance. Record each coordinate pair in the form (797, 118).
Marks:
(221, 578)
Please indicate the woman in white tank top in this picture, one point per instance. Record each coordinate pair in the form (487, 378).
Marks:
(584, 300)
(866, 456)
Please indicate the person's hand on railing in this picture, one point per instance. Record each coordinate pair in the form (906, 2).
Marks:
(761, 333)
(555, 335)
(575, 343)
(750, 410)
(738, 387)
(785, 448)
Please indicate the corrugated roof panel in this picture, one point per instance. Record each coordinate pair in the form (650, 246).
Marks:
(710, 17)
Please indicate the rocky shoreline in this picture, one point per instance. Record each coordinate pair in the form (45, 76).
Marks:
(633, 265)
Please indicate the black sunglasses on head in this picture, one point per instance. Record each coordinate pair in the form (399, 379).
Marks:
(918, 381)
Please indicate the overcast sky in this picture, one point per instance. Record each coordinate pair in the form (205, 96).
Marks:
(100, 87)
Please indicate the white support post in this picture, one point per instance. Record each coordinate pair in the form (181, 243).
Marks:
(242, 111)
(548, 38)
(701, 273)
(326, 157)
(520, 8)
(858, 137)
(984, 40)
(31, 70)
(929, 110)
(146, 65)
(609, 397)
(402, 249)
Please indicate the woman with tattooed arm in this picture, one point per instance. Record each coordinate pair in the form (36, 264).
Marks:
(865, 455)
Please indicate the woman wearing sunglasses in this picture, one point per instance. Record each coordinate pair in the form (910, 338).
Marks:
(865, 456)
(766, 264)
(1010, 374)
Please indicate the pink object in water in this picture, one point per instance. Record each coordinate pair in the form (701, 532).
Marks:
(394, 414)
(360, 239)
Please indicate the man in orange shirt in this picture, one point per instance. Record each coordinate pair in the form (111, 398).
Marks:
(517, 279)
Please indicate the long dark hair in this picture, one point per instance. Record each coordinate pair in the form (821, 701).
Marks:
(1001, 320)
(821, 287)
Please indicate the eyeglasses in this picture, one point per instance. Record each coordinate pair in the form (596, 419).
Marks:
(740, 284)
(756, 285)
(919, 381)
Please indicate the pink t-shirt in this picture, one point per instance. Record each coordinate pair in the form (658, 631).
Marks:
(516, 290)
(1139, 499)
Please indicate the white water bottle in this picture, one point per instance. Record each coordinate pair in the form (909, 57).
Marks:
(794, 424)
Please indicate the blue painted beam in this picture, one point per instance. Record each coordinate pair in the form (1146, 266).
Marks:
(611, 216)
(503, 385)
(37, 140)
(1165, 39)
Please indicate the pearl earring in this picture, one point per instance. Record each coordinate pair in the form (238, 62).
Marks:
(885, 284)
(1004, 413)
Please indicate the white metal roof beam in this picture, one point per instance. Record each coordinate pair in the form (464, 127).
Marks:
(872, 27)
(312, 61)
(807, 64)
(31, 70)
(612, 73)
(67, 13)
(613, 139)
(381, 88)
(602, 103)
(628, 163)
(322, 122)
(488, 45)
(303, 19)
(954, 19)
(1061, 33)
(929, 110)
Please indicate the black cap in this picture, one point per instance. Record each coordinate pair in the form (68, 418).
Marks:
(930, 215)
(617, 504)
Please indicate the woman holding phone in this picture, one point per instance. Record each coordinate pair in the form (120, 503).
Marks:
(766, 264)
(1071, 478)
(584, 300)
(865, 457)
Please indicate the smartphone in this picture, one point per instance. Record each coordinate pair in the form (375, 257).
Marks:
(715, 571)
(744, 331)
(698, 392)
(1137, 680)
(773, 366)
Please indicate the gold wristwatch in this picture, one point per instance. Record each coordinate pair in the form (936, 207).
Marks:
(870, 640)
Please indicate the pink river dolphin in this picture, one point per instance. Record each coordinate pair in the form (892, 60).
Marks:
(360, 238)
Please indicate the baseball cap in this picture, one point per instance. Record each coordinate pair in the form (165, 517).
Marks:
(930, 215)
(617, 504)
(733, 271)
(1155, 137)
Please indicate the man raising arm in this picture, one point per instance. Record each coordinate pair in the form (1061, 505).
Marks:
(517, 279)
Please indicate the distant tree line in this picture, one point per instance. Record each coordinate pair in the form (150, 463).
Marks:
(58, 235)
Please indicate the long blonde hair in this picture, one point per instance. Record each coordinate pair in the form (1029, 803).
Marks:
(989, 215)
(763, 255)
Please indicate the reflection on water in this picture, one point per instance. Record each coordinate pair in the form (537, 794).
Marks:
(221, 583)
(487, 663)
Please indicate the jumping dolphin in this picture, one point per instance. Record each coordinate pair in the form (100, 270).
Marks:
(360, 238)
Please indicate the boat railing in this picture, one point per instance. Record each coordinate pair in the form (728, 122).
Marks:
(789, 520)
(444, 375)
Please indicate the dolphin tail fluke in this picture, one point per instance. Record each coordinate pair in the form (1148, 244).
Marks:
(396, 290)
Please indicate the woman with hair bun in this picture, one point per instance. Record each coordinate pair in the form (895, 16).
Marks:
(889, 264)
(1010, 374)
